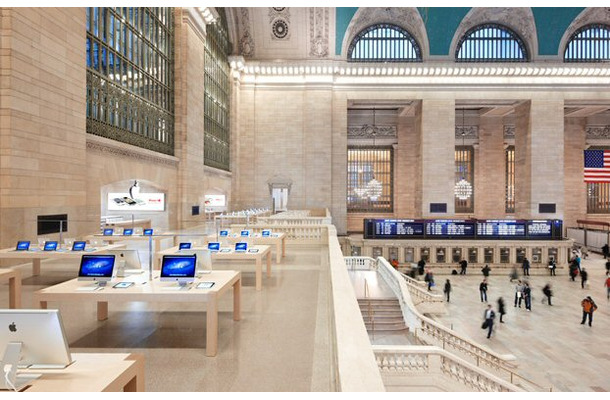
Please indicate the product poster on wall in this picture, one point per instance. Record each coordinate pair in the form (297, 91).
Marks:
(215, 200)
(140, 202)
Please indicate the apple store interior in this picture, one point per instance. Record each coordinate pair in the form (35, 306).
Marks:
(305, 199)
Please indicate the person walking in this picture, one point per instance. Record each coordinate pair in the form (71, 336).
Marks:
(514, 275)
(483, 291)
(447, 290)
(527, 296)
(552, 267)
(584, 275)
(588, 307)
(573, 270)
(608, 266)
(518, 293)
(606, 250)
(429, 278)
(489, 320)
(485, 270)
(526, 267)
(501, 309)
(607, 285)
(548, 293)
(421, 265)
(463, 266)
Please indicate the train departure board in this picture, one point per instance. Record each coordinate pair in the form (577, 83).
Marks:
(486, 229)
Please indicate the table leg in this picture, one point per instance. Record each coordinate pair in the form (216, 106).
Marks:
(284, 246)
(36, 267)
(211, 342)
(237, 300)
(259, 273)
(43, 305)
(14, 288)
(136, 384)
(269, 265)
(278, 253)
(102, 310)
(157, 250)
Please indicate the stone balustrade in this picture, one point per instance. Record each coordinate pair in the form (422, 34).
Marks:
(295, 234)
(361, 263)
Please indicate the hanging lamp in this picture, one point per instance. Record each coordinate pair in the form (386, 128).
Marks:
(463, 188)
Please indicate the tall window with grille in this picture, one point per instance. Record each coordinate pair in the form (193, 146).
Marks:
(217, 95)
(590, 43)
(491, 43)
(370, 177)
(464, 169)
(130, 94)
(509, 179)
(383, 43)
(598, 194)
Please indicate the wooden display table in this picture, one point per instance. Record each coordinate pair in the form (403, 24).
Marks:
(277, 239)
(13, 276)
(127, 223)
(38, 255)
(263, 251)
(154, 291)
(92, 372)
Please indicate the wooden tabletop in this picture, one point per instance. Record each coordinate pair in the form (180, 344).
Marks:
(32, 254)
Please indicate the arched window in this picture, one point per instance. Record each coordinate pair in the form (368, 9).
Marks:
(590, 43)
(491, 43)
(384, 42)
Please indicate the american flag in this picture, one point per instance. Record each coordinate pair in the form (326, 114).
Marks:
(597, 166)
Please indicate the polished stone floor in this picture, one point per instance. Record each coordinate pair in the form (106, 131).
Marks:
(282, 342)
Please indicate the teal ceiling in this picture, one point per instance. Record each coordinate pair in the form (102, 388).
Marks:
(442, 22)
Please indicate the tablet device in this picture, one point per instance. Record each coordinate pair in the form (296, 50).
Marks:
(266, 233)
(224, 233)
(225, 250)
(184, 246)
(23, 245)
(214, 246)
(123, 285)
(108, 232)
(253, 251)
(127, 232)
(241, 246)
(205, 285)
(79, 246)
(50, 246)
(148, 232)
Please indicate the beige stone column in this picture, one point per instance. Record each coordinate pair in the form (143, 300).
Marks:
(438, 155)
(407, 172)
(539, 153)
(189, 51)
(489, 189)
(339, 162)
(575, 187)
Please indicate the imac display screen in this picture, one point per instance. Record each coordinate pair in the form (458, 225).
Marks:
(224, 233)
(241, 246)
(108, 232)
(178, 266)
(23, 245)
(184, 246)
(96, 266)
(50, 246)
(266, 233)
(148, 232)
(245, 233)
(214, 246)
(127, 232)
(79, 246)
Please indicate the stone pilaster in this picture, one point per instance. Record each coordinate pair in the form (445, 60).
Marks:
(575, 187)
(489, 188)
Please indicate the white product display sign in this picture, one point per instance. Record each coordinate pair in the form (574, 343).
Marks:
(215, 200)
(142, 202)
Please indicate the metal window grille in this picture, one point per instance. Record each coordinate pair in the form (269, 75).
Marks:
(509, 179)
(491, 43)
(598, 198)
(217, 96)
(464, 168)
(363, 165)
(130, 94)
(590, 43)
(383, 43)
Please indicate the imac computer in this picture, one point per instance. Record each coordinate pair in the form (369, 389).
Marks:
(79, 245)
(68, 242)
(266, 233)
(23, 245)
(178, 268)
(214, 246)
(50, 245)
(127, 262)
(148, 232)
(127, 232)
(241, 247)
(97, 268)
(184, 246)
(224, 233)
(245, 233)
(33, 338)
(108, 232)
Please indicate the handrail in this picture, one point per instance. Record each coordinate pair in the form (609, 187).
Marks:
(589, 222)
(410, 360)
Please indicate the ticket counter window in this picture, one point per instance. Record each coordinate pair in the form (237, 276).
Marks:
(553, 254)
(393, 253)
(536, 255)
(489, 255)
(377, 252)
(520, 255)
(504, 255)
(456, 255)
(410, 254)
(473, 255)
(356, 251)
(440, 255)
(425, 254)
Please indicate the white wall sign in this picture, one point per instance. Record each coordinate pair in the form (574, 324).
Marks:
(215, 200)
(142, 202)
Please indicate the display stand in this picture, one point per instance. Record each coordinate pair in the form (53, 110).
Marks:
(9, 364)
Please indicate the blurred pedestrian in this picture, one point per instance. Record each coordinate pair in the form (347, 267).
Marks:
(489, 320)
(607, 285)
(552, 267)
(501, 309)
(527, 296)
(463, 266)
(588, 308)
(518, 293)
(548, 292)
(526, 267)
(429, 279)
(605, 250)
(447, 290)
(483, 291)
(514, 275)
(584, 275)
(485, 270)
(421, 265)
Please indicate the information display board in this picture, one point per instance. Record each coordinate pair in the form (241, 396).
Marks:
(394, 228)
(544, 228)
(450, 228)
(501, 228)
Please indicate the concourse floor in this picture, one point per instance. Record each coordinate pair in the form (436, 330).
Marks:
(551, 346)
(282, 342)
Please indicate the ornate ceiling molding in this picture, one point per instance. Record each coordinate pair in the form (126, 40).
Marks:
(371, 132)
(519, 19)
(246, 41)
(112, 147)
(509, 131)
(467, 131)
(318, 31)
(279, 20)
(591, 15)
(598, 131)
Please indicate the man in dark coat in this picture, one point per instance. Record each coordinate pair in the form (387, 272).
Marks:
(501, 308)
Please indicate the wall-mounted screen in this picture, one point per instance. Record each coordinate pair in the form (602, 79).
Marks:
(141, 202)
(215, 200)
(500, 228)
(393, 228)
(450, 228)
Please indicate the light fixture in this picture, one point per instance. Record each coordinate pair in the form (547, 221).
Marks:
(463, 188)
(374, 188)
(209, 14)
